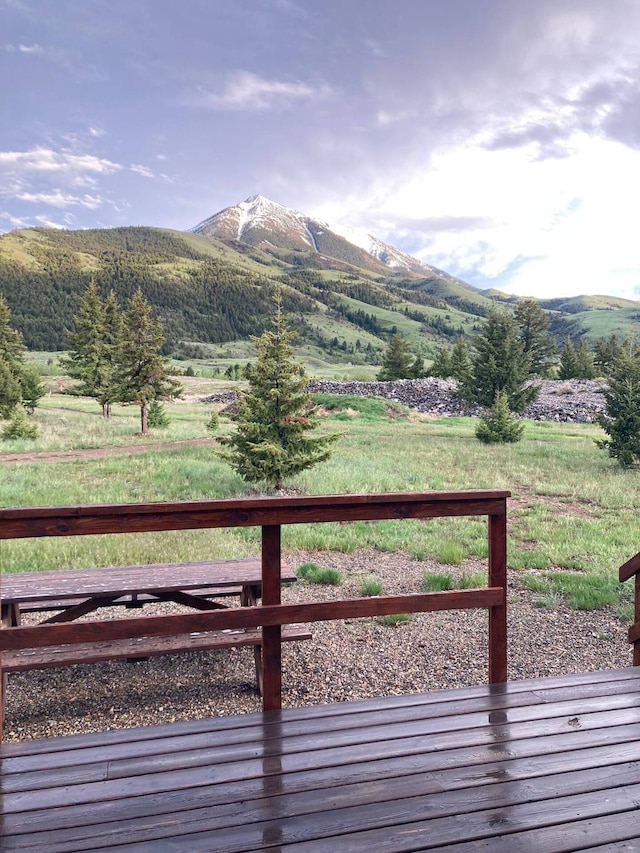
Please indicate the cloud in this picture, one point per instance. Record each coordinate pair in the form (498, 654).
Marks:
(57, 198)
(248, 91)
(47, 160)
(141, 170)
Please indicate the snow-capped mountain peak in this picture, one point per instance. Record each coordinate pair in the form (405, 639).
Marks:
(266, 224)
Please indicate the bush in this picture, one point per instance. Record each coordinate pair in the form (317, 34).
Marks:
(19, 426)
(313, 573)
(213, 423)
(156, 415)
(498, 426)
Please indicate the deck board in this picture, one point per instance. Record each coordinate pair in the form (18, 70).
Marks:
(539, 765)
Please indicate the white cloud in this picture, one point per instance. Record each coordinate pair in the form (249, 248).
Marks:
(47, 160)
(554, 226)
(248, 91)
(57, 198)
(45, 222)
(35, 49)
(141, 170)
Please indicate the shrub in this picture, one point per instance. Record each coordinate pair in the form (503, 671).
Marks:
(313, 573)
(157, 416)
(19, 426)
(213, 423)
(498, 426)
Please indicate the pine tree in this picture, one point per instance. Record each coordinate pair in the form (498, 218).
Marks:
(143, 372)
(540, 347)
(397, 360)
(460, 363)
(499, 364)
(568, 363)
(498, 426)
(31, 387)
(18, 426)
(441, 364)
(12, 348)
(94, 347)
(274, 415)
(19, 382)
(585, 368)
(10, 390)
(606, 351)
(621, 420)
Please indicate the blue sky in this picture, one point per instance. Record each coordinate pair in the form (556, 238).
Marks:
(497, 139)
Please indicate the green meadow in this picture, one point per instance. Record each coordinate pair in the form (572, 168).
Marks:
(573, 516)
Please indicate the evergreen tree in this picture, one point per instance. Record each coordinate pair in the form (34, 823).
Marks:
(142, 370)
(499, 364)
(498, 426)
(397, 361)
(274, 415)
(461, 365)
(31, 387)
(94, 346)
(568, 362)
(621, 420)
(441, 364)
(576, 363)
(585, 368)
(18, 426)
(417, 368)
(540, 347)
(11, 346)
(157, 417)
(19, 382)
(606, 351)
(10, 390)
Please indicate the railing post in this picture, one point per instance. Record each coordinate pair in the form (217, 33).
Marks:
(498, 614)
(636, 618)
(271, 634)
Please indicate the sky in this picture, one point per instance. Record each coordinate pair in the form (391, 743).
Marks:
(496, 139)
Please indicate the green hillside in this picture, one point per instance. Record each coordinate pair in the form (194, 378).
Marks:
(211, 291)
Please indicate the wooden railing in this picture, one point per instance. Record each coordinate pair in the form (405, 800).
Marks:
(270, 513)
(632, 569)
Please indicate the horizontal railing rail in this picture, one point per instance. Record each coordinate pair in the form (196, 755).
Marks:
(270, 513)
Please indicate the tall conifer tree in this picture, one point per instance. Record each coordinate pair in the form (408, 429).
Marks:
(142, 369)
(275, 415)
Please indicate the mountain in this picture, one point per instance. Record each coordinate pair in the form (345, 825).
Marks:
(346, 292)
(269, 226)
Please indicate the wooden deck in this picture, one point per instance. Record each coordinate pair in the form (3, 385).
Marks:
(541, 765)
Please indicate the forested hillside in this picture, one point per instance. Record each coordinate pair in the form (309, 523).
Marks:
(207, 290)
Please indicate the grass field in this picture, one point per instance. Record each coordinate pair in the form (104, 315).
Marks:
(573, 517)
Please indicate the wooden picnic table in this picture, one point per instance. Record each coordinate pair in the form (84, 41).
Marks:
(75, 593)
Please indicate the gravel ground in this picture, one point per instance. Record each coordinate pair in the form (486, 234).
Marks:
(348, 660)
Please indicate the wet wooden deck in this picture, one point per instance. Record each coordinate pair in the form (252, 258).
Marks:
(544, 765)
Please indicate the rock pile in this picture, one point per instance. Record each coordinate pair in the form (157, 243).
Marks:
(569, 401)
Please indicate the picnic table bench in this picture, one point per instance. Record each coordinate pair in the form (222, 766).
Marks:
(71, 594)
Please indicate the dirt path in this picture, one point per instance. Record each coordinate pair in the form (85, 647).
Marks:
(98, 452)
